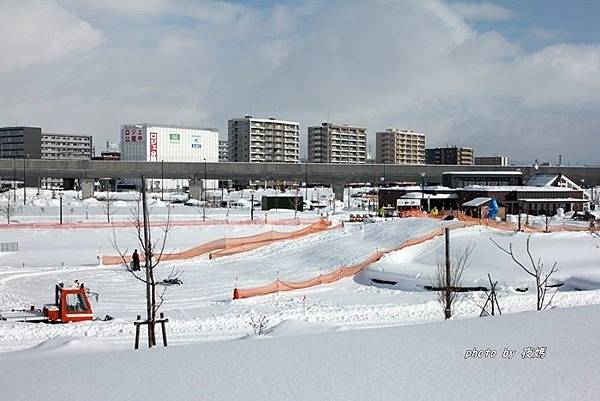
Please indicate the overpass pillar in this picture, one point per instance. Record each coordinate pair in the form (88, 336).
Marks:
(87, 188)
(338, 191)
(196, 189)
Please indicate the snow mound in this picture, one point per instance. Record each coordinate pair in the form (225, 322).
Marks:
(292, 327)
(91, 201)
(158, 203)
(120, 204)
(61, 345)
(53, 202)
(39, 202)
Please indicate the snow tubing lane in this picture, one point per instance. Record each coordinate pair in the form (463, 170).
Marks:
(339, 273)
(230, 246)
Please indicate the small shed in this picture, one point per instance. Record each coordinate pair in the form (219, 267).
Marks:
(479, 207)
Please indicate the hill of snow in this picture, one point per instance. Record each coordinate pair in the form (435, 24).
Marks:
(416, 362)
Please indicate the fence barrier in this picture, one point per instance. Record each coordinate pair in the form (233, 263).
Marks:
(230, 246)
(348, 271)
(337, 274)
(159, 223)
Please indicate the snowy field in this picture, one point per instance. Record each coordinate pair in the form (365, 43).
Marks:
(318, 325)
(202, 308)
(303, 361)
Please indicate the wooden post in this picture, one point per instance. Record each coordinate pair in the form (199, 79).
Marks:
(137, 333)
(162, 325)
(448, 310)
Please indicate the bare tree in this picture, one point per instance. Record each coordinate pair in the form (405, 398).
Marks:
(8, 207)
(448, 286)
(535, 269)
(108, 209)
(594, 228)
(152, 253)
(259, 324)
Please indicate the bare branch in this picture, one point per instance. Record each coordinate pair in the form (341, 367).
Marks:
(537, 271)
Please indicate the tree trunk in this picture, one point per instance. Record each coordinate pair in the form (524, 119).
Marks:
(448, 310)
(150, 303)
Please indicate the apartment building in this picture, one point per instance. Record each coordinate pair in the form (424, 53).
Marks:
(260, 140)
(223, 151)
(450, 155)
(64, 147)
(337, 143)
(491, 161)
(71, 147)
(395, 146)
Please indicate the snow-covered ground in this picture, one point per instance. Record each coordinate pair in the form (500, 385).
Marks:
(202, 308)
(303, 361)
(324, 317)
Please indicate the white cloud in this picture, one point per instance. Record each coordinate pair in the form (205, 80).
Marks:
(415, 64)
(40, 32)
(482, 11)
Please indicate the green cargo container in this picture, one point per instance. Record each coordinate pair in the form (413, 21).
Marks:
(283, 202)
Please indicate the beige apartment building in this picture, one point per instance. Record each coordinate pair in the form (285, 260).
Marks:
(263, 140)
(395, 146)
(337, 143)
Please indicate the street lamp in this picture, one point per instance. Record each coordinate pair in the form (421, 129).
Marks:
(204, 194)
(15, 180)
(422, 189)
(60, 195)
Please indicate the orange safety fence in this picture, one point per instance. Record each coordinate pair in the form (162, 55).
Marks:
(337, 274)
(161, 223)
(413, 213)
(230, 246)
(512, 226)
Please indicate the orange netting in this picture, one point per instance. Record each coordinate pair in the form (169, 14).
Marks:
(230, 246)
(351, 270)
(162, 223)
(413, 213)
(512, 226)
(337, 274)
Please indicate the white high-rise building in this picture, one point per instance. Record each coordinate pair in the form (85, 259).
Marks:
(169, 143)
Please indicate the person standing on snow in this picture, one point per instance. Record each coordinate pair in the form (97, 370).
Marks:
(135, 260)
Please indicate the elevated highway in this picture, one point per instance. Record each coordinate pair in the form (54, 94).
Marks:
(332, 174)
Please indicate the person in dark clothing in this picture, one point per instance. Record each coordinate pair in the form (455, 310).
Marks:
(135, 260)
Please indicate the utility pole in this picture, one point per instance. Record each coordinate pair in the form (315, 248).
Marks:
(24, 182)
(447, 311)
(162, 180)
(306, 181)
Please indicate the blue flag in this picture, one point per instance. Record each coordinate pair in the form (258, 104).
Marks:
(493, 209)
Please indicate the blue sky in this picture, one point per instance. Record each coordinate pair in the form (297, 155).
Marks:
(520, 78)
(570, 21)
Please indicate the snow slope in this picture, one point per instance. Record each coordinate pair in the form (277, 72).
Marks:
(576, 254)
(419, 362)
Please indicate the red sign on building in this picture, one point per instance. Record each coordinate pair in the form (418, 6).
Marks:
(153, 145)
